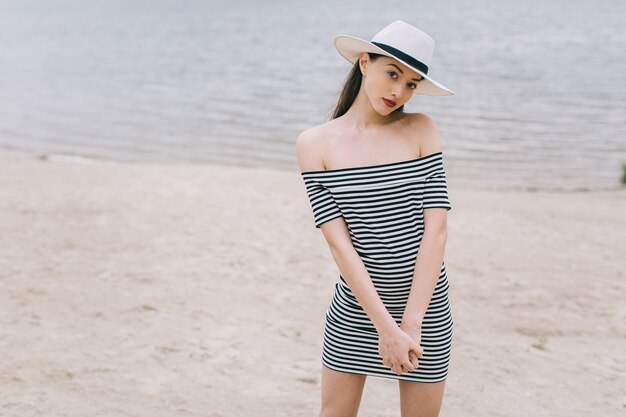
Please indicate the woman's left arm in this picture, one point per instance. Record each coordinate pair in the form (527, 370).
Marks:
(428, 266)
(431, 252)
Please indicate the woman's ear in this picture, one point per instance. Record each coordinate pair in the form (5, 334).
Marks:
(363, 62)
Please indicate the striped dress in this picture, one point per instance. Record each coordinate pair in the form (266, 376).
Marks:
(383, 208)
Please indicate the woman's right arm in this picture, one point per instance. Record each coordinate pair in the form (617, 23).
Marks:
(353, 270)
(394, 343)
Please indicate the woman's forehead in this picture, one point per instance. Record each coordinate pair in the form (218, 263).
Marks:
(408, 72)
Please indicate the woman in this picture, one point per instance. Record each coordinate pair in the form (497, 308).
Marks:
(375, 179)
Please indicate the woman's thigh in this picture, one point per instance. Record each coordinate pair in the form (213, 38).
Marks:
(420, 399)
(341, 393)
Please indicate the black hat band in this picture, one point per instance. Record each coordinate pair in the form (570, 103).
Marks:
(401, 55)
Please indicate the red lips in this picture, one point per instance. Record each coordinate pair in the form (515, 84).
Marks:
(389, 103)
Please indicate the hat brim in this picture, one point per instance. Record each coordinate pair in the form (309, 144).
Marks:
(351, 47)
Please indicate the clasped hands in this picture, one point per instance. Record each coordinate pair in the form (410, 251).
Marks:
(400, 347)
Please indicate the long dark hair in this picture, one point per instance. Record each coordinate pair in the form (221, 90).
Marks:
(351, 89)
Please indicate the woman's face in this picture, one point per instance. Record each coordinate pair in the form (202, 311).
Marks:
(388, 84)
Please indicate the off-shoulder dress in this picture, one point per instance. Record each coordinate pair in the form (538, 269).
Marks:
(383, 207)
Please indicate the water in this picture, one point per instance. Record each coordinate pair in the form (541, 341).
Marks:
(540, 86)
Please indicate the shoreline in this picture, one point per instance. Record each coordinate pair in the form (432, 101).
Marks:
(452, 179)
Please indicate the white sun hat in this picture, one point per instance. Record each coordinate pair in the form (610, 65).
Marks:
(399, 40)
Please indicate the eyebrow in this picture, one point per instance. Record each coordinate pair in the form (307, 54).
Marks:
(402, 72)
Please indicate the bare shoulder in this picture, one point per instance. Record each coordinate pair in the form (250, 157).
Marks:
(310, 146)
(425, 132)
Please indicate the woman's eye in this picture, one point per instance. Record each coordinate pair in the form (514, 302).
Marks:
(391, 72)
(414, 86)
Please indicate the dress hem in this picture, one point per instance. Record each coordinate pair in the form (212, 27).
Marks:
(387, 376)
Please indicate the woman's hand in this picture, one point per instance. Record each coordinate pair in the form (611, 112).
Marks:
(414, 330)
(397, 347)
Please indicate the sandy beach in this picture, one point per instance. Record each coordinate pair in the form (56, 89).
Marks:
(154, 290)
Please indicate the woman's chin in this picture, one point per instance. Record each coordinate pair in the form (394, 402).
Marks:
(387, 111)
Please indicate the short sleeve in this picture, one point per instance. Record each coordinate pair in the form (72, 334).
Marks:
(436, 190)
(324, 206)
